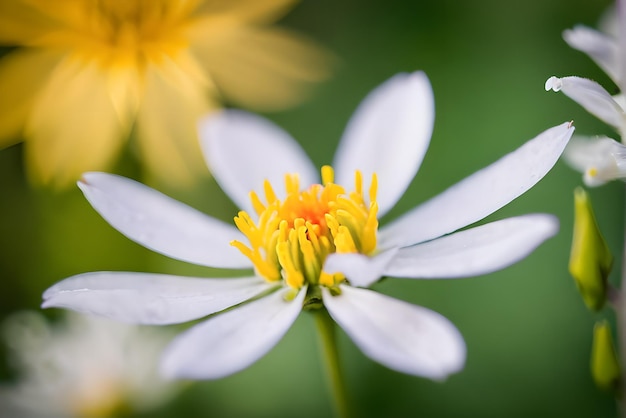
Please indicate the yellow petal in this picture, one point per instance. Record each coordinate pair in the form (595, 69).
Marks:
(174, 100)
(67, 13)
(22, 76)
(590, 258)
(256, 11)
(74, 127)
(605, 367)
(265, 69)
(20, 23)
(125, 87)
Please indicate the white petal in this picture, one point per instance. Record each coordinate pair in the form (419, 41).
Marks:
(620, 99)
(590, 95)
(162, 224)
(472, 252)
(480, 194)
(388, 135)
(401, 336)
(583, 152)
(600, 158)
(609, 21)
(359, 269)
(243, 150)
(150, 298)
(603, 49)
(233, 340)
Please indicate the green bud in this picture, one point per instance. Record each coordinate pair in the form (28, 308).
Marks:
(605, 367)
(590, 259)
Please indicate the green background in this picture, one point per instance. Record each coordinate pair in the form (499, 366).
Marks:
(527, 330)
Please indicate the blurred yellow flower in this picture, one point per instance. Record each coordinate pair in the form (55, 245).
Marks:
(95, 71)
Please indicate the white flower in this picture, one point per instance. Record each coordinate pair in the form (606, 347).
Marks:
(317, 244)
(82, 367)
(600, 158)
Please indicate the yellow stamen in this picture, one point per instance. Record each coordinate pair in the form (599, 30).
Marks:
(293, 236)
(293, 276)
(358, 183)
(292, 184)
(344, 242)
(270, 196)
(368, 238)
(258, 206)
(328, 175)
(373, 188)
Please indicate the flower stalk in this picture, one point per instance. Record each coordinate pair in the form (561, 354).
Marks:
(332, 364)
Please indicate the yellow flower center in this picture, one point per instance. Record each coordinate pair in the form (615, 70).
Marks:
(125, 32)
(292, 237)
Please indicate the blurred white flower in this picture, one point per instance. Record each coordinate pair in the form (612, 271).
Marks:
(599, 158)
(82, 367)
(312, 243)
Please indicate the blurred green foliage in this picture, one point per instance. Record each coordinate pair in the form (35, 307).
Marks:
(527, 330)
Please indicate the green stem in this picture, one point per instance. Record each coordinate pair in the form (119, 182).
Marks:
(330, 354)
